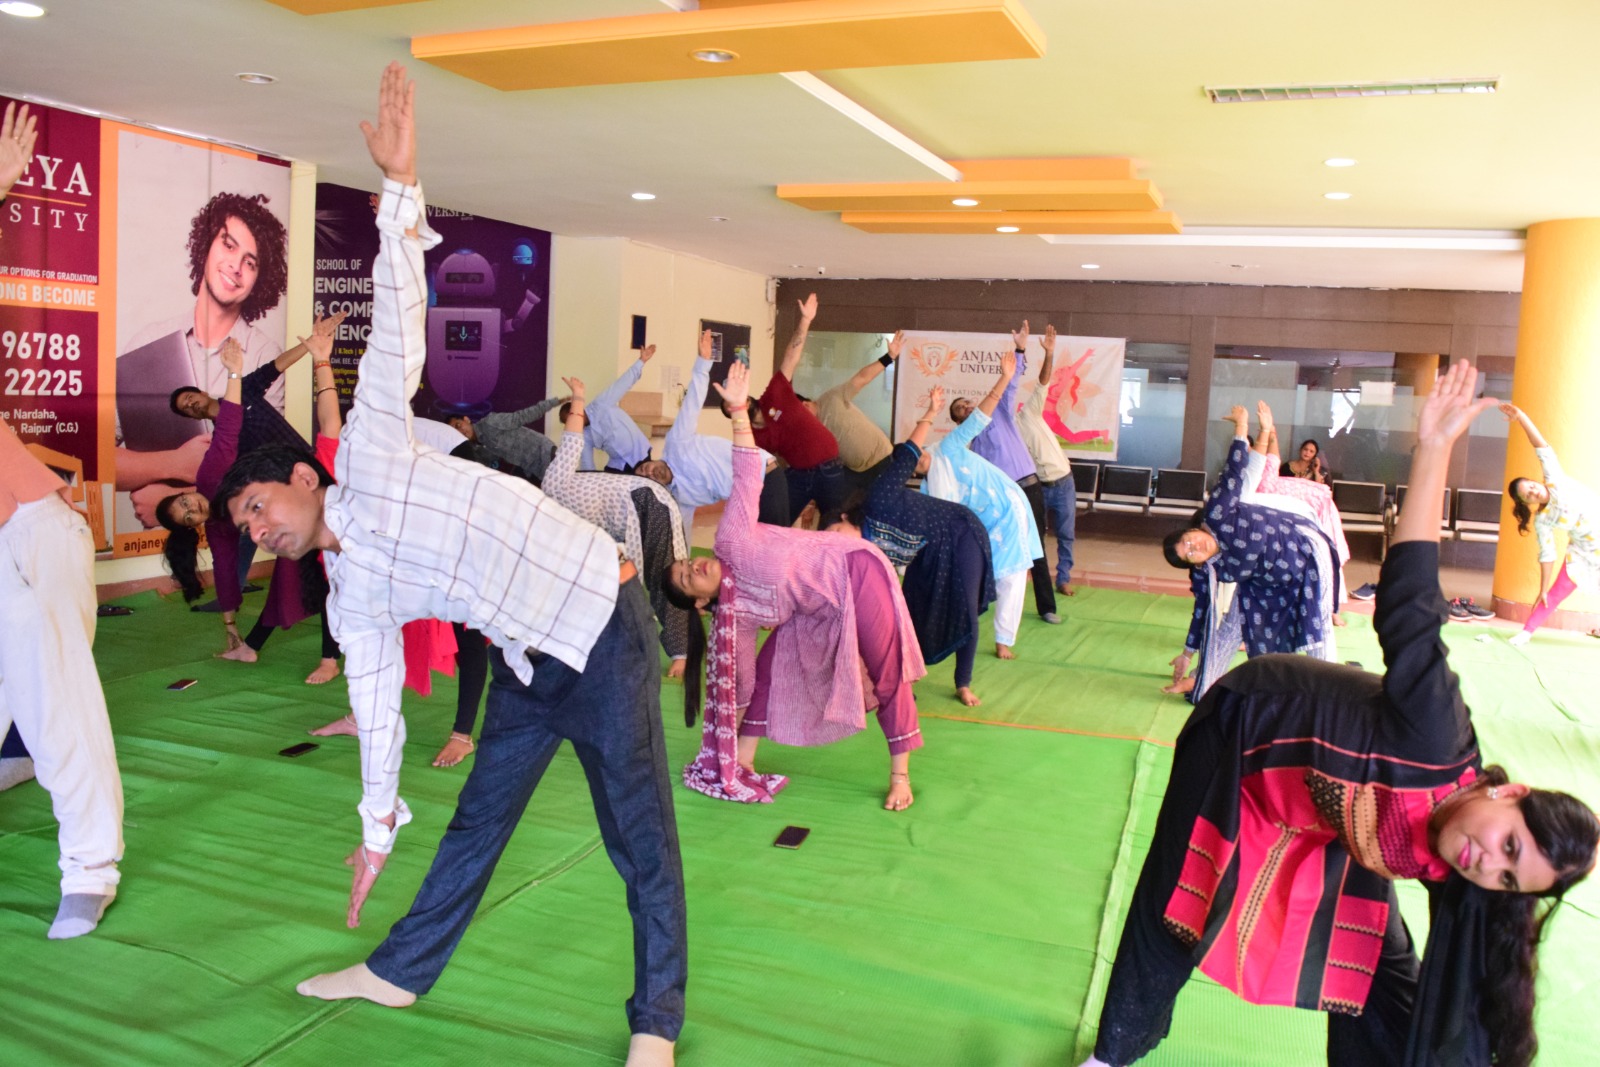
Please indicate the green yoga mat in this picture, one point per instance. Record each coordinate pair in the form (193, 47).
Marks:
(975, 929)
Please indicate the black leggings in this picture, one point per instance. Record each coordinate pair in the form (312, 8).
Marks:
(472, 672)
(258, 635)
(972, 564)
(1044, 591)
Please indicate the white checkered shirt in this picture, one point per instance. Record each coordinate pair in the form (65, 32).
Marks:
(425, 536)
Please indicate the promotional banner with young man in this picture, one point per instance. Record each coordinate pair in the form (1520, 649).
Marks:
(127, 257)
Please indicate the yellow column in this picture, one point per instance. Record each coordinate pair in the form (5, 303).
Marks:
(1556, 380)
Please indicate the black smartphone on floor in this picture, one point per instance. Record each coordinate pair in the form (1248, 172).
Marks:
(183, 683)
(792, 837)
(297, 750)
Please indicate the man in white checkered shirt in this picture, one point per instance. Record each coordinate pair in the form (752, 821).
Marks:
(409, 533)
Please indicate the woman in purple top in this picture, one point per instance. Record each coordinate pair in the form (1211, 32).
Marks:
(832, 603)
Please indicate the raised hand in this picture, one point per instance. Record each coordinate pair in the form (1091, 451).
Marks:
(1008, 365)
(328, 326)
(1020, 337)
(575, 387)
(736, 390)
(646, 352)
(895, 344)
(935, 399)
(17, 135)
(232, 355)
(1450, 408)
(393, 141)
(705, 350)
(1050, 340)
(808, 308)
(367, 866)
(1264, 415)
(1511, 412)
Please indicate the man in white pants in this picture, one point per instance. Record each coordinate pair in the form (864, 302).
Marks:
(48, 683)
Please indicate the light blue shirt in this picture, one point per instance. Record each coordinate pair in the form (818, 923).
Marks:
(959, 474)
(611, 429)
(702, 466)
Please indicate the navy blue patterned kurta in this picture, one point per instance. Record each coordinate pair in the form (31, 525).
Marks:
(926, 535)
(1285, 580)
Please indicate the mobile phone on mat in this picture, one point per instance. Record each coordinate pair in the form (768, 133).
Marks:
(183, 683)
(297, 750)
(792, 837)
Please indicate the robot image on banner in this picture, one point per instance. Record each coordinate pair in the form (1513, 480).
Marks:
(466, 330)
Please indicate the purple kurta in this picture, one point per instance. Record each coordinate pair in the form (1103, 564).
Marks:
(797, 583)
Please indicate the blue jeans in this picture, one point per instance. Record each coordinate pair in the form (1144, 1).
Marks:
(1061, 501)
(612, 715)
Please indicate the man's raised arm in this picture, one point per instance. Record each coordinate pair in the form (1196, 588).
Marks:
(380, 415)
(863, 377)
(687, 422)
(797, 343)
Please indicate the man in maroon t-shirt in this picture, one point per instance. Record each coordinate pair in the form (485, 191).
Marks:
(787, 428)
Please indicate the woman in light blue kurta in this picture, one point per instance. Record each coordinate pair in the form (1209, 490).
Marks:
(955, 472)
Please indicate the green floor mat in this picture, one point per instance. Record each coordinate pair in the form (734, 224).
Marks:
(975, 929)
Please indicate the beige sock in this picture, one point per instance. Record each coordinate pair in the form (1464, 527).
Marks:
(356, 982)
(649, 1050)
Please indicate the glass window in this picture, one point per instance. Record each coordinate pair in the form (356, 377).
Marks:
(831, 358)
(1155, 384)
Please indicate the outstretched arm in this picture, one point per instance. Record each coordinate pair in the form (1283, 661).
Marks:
(328, 326)
(324, 393)
(861, 378)
(797, 343)
(1266, 433)
(919, 435)
(1008, 371)
(1445, 416)
(1048, 365)
(612, 394)
(1520, 417)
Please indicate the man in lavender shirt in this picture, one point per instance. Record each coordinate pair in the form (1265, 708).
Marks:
(1001, 444)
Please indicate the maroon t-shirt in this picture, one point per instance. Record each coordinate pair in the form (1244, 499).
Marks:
(792, 432)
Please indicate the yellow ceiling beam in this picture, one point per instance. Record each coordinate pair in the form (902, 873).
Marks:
(1135, 194)
(1028, 222)
(328, 7)
(767, 38)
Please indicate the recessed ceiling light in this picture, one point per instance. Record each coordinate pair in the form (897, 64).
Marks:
(714, 55)
(251, 77)
(1007, 229)
(21, 10)
(1336, 196)
(719, 218)
(1339, 161)
(1089, 266)
(964, 201)
(644, 196)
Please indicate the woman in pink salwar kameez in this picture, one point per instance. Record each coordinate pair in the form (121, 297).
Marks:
(832, 603)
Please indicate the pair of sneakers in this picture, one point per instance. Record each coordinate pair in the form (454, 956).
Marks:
(1465, 609)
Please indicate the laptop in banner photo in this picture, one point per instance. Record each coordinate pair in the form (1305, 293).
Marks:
(146, 378)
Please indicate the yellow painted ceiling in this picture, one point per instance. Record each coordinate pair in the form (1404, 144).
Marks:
(1120, 78)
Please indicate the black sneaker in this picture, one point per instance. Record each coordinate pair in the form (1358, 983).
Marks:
(1366, 592)
(1459, 612)
(1474, 610)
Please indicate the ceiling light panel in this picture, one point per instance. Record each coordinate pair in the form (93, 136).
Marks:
(1131, 195)
(768, 38)
(327, 7)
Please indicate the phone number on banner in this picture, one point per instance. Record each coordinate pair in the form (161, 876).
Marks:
(46, 348)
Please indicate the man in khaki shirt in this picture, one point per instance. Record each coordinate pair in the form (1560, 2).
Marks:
(862, 446)
(1055, 470)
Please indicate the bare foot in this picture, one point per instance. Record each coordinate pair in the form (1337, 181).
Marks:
(242, 654)
(965, 694)
(899, 798)
(356, 982)
(1338, 619)
(344, 727)
(1066, 590)
(648, 1050)
(458, 748)
(1003, 651)
(326, 672)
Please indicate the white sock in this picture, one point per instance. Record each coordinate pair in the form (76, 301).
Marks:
(14, 770)
(79, 913)
(354, 982)
(1520, 638)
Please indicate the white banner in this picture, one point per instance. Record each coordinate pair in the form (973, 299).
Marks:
(1083, 404)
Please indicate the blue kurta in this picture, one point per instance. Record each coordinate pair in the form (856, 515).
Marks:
(961, 475)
